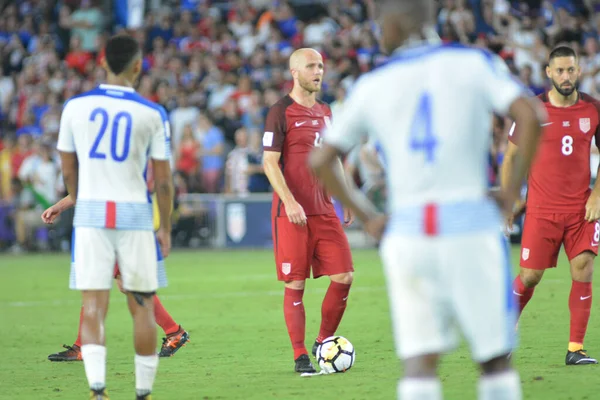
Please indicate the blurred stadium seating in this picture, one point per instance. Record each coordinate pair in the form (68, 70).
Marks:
(216, 66)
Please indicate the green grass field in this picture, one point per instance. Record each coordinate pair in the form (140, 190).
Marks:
(230, 303)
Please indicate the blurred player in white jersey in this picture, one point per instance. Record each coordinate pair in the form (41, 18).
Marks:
(446, 260)
(106, 137)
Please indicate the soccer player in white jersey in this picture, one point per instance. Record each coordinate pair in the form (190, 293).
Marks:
(106, 137)
(446, 260)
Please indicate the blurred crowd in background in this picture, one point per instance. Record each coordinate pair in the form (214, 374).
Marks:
(217, 66)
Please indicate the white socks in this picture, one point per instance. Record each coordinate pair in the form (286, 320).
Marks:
(420, 389)
(94, 361)
(502, 386)
(145, 372)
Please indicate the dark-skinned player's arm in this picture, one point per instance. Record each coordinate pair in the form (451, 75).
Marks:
(52, 212)
(293, 209)
(347, 132)
(528, 114)
(70, 171)
(325, 163)
(592, 206)
(67, 151)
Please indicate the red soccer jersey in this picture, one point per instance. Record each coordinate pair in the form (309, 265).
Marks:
(294, 130)
(559, 179)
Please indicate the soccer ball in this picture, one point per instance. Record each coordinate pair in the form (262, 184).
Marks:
(335, 354)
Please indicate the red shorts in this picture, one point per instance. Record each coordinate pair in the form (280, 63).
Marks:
(544, 233)
(116, 272)
(321, 243)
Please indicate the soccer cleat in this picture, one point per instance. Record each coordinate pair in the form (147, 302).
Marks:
(144, 397)
(579, 357)
(98, 394)
(73, 353)
(174, 342)
(303, 364)
(315, 348)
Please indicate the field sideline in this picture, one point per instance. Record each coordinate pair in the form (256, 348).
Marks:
(230, 302)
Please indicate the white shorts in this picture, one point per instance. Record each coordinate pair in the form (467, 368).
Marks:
(95, 252)
(438, 285)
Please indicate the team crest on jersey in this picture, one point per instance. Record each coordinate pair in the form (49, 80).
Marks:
(286, 268)
(327, 121)
(585, 125)
(525, 254)
(236, 221)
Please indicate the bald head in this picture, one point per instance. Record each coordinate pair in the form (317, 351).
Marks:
(300, 57)
(404, 18)
(306, 66)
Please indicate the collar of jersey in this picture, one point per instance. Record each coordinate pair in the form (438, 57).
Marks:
(106, 86)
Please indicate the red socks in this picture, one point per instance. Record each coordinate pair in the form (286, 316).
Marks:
(78, 341)
(295, 319)
(580, 303)
(332, 310)
(163, 318)
(522, 294)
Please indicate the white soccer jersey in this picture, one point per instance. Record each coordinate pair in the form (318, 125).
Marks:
(430, 111)
(114, 132)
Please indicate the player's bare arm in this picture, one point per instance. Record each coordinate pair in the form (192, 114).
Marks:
(528, 115)
(348, 215)
(325, 163)
(592, 206)
(163, 185)
(52, 212)
(70, 169)
(293, 209)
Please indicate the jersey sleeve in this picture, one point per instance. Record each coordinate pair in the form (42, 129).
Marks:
(349, 126)
(275, 129)
(160, 145)
(66, 141)
(500, 89)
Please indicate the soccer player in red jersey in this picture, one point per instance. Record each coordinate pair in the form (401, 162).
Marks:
(561, 209)
(306, 231)
(176, 336)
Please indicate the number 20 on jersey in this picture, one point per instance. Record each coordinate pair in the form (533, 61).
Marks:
(120, 119)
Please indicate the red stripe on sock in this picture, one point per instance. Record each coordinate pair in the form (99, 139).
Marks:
(111, 215)
(430, 219)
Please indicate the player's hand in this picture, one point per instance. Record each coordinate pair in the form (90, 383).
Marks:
(375, 226)
(348, 217)
(592, 208)
(164, 240)
(295, 213)
(50, 215)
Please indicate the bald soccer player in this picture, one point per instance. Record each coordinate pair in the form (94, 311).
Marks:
(307, 234)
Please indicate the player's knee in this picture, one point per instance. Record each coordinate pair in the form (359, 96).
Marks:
(496, 365)
(142, 298)
(421, 366)
(295, 285)
(345, 278)
(531, 277)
